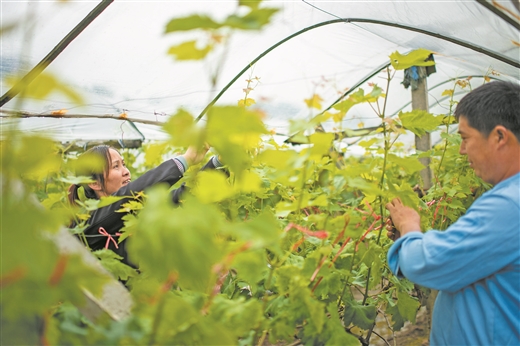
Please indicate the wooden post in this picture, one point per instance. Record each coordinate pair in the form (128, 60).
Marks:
(422, 143)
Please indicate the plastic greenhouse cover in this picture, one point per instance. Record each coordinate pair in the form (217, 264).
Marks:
(119, 63)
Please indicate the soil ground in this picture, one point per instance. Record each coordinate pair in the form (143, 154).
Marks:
(416, 334)
(410, 335)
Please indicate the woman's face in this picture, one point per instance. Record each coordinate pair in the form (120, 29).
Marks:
(118, 175)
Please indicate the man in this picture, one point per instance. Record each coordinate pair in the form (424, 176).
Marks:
(475, 263)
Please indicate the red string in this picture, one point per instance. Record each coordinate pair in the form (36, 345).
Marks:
(104, 232)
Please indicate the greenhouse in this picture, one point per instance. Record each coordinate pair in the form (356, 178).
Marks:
(260, 147)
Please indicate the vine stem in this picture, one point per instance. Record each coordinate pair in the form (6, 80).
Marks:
(365, 294)
(267, 285)
(262, 338)
(385, 157)
(381, 185)
(382, 116)
(300, 199)
(346, 280)
(447, 131)
(264, 302)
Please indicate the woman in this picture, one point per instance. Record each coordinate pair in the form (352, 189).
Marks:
(105, 223)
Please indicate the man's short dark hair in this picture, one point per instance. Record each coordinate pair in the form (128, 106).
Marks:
(492, 104)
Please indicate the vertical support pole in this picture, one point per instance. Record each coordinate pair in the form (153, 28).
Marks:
(423, 143)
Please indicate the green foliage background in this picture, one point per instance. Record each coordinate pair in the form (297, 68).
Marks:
(291, 246)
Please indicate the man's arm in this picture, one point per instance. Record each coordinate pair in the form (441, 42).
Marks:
(479, 244)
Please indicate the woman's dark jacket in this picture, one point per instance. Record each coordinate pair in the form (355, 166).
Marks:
(107, 218)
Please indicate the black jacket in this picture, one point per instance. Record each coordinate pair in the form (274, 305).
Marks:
(111, 221)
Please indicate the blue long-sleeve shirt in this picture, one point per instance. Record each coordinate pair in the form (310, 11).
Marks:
(475, 264)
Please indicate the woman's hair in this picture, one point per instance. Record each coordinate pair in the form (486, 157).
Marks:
(102, 151)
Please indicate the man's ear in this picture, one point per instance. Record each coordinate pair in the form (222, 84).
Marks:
(96, 186)
(502, 135)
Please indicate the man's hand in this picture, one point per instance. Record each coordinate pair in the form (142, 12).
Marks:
(195, 155)
(403, 218)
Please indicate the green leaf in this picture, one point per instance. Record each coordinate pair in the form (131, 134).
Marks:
(262, 231)
(183, 130)
(256, 19)
(71, 319)
(314, 102)
(320, 201)
(112, 262)
(190, 23)
(278, 159)
(246, 102)
(312, 310)
(189, 51)
(251, 266)
(407, 306)
(357, 98)
(234, 131)
(345, 105)
(177, 240)
(359, 315)
(299, 126)
(368, 143)
(370, 188)
(406, 193)
(322, 144)
(410, 164)
(419, 121)
(86, 164)
(153, 152)
(103, 201)
(33, 157)
(337, 334)
(20, 331)
(43, 86)
(250, 3)
(414, 58)
(330, 285)
(248, 182)
(288, 277)
(404, 310)
(76, 180)
(237, 315)
(212, 186)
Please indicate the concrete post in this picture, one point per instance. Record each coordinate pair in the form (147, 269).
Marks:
(115, 301)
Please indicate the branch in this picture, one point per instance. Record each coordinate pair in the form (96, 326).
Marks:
(21, 114)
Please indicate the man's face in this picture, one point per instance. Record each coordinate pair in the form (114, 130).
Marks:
(478, 149)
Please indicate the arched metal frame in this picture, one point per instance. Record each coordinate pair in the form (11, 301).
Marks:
(462, 43)
(55, 52)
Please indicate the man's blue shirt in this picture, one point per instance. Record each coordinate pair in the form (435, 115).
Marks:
(475, 264)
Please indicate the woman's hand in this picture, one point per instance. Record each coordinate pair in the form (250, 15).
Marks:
(195, 155)
(403, 218)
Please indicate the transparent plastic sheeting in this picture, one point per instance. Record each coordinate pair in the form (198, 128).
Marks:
(119, 62)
